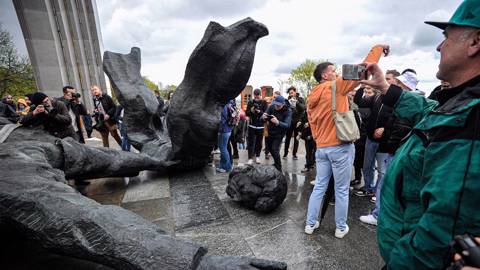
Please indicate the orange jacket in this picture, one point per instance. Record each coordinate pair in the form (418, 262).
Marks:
(319, 105)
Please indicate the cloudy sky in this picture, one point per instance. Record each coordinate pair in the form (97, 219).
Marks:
(341, 31)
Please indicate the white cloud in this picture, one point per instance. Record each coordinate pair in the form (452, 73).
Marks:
(340, 31)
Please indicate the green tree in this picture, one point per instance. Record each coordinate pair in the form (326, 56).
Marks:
(151, 85)
(302, 76)
(16, 72)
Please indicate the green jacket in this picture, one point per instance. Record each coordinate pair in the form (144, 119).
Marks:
(431, 190)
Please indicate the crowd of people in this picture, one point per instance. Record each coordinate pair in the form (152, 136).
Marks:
(67, 116)
(424, 150)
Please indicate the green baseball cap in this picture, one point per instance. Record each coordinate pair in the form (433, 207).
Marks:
(467, 14)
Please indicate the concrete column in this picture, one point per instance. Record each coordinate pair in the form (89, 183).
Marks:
(63, 44)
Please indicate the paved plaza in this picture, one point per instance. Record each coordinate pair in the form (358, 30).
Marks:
(194, 206)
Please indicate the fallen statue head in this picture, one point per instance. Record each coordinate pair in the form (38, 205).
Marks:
(261, 187)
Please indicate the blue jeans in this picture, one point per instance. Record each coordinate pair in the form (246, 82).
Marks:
(225, 162)
(339, 161)
(378, 192)
(123, 133)
(371, 155)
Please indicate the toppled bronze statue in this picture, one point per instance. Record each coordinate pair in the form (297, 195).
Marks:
(36, 203)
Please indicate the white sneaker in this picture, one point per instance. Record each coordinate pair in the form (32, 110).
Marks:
(250, 162)
(257, 160)
(369, 219)
(220, 170)
(341, 233)
(309, 228)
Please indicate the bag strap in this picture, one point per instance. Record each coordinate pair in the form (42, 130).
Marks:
(334, 96)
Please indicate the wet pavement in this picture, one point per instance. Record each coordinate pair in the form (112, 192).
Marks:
(194, 205)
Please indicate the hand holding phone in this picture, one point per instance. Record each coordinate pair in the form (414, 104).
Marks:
(354, 72)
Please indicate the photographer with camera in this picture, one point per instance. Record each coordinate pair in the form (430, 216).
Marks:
(430, 190)
(255, 109)
(76, 109)
(51, 114)
(297, 104)
(279, 117)
(104, 115)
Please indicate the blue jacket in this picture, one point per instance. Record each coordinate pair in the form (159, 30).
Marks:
(224, 127)
(284, 116)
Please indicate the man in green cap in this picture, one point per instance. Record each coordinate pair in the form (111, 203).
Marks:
(431, 191)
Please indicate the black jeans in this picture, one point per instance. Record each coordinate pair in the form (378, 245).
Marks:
(232, 148)
(359, 156)
(273, 144)
(310, 148)
(291, 131)
(254, 142)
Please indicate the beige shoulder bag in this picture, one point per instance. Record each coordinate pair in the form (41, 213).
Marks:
(347, 128)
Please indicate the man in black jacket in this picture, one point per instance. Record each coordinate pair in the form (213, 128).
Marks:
(279, 116)
(361, 116)
(76, 109)
(7, 111)
(255, 109)
(104, 114)
(375, 127)
(297, 105)
(8, 100)
(51, 114)
(310, 144)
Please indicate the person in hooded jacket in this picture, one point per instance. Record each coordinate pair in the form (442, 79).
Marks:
(223, 138)
(279, 117)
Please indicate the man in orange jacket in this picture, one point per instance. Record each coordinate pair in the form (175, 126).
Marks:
(332, 156)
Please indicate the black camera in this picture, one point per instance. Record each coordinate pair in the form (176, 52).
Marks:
(257, 106)
(354, 72)
(47, 108)
(468, 249)
(269, 116)
(100, 121)
(77, 95)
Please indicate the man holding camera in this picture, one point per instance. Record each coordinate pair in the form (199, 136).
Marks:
(255, 109)
(104, 114)
(430, 191)
(332, 155)
(279, 117)
(76, 109)
(51, 114)
(297, 104)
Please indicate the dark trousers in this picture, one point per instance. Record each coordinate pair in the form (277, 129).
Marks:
(273, 144)
(80, 136)
(232, 144)
(359, 156)
(291, 131)
(87, 121)
(267, 151)
(310, 148)
(254, 142)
